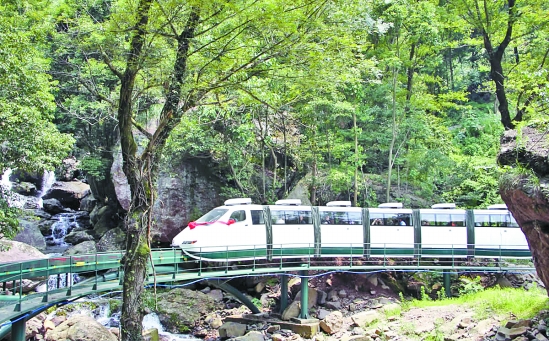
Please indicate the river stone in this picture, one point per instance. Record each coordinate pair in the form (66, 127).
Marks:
(34, 326)
(365, 318)
(292, 310)
(81, 249)
(179, 309)
(77, 237)
(80, 328)
(10, 250)
(332, 323)
(254, 335)
(232, 329)
(53, 206)
(312, 298)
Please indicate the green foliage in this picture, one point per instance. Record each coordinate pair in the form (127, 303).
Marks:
(95, 167)
(29, 140)
(469, 285)
(9, 225)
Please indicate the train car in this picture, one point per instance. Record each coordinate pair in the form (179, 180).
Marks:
(240, 230)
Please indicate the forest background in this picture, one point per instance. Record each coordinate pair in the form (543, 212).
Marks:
(412, 96)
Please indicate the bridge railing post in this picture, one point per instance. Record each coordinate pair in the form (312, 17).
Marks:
(304, 294)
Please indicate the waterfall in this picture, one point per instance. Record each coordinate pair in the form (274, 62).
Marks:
(64, 225)
(5, 180)
(47, 181)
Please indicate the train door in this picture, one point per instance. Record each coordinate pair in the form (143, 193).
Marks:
(341, 229)
(512, 236)
(487, 233)
(239, 232)
(292, 229)
(443, 231)
(391, 229)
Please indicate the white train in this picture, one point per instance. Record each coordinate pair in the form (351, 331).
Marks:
(240, 230)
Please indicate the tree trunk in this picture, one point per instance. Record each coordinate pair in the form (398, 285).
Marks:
(495, 56)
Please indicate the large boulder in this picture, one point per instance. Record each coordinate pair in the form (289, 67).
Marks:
(30, 234)
(11, 249)
(179, 309)
(68, 193)
(112, 240)
(83, 248)
(186, 191)
(527, 195)
(76, 237)
(53, 206)
(80, 328)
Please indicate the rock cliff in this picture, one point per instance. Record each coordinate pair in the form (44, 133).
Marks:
(525, 189)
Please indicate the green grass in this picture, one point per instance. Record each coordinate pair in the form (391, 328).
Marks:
(495, 301)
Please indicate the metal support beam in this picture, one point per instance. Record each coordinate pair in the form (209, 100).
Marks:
(304, 294)
(447, 286)
(18, 330)
(283, 292)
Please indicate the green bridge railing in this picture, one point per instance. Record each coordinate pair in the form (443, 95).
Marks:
(103, 271)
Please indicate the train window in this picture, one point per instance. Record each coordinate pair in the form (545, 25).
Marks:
(213, 215)
(292, 217)
(304, 217)
(326, 218)
(346, 218)
(442, 219)
(495, 220)
(354, 218)
(391, 219)
(257, 217)
(511, 222)
(278, 217)
(239, 215)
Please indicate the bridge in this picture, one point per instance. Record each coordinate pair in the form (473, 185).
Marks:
(171, 266)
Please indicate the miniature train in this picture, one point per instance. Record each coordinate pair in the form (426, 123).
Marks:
(240, 230)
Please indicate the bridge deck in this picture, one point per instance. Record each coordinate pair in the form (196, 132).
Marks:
(172, 266)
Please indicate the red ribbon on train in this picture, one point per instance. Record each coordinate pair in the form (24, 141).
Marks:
(194, 224)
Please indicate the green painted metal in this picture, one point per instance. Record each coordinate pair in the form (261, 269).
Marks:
(172, 266)
(304, 294)
(447, 287)
(18, 330)
(283, 292)
(223, 285)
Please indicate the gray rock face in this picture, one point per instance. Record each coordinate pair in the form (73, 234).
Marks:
(80, 328)
(184, 194)
(112, 240)
(528, 201)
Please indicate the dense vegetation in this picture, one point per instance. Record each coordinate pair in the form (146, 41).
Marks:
(342, 95)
